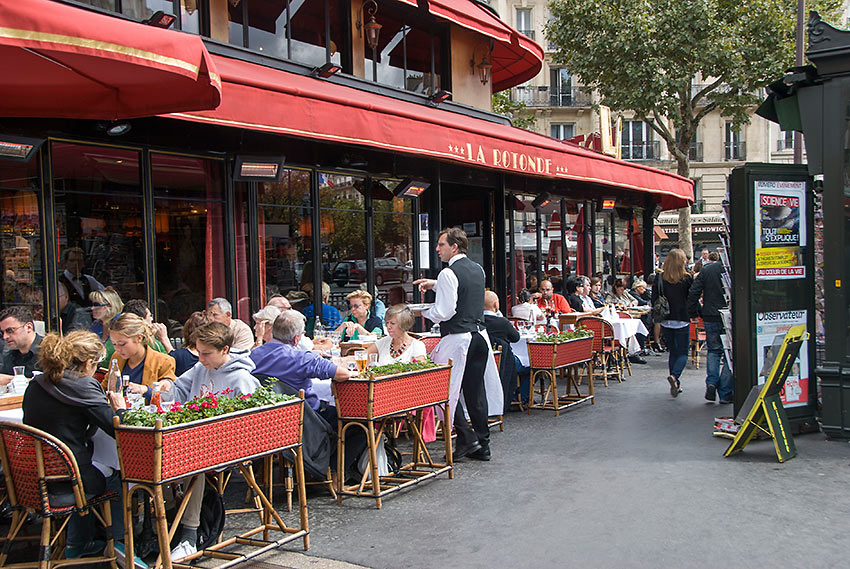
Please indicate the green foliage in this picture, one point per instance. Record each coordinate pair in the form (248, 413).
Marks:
(564, 336)
(503, 105)
(211, 405)
(679, 59)
(391, 369)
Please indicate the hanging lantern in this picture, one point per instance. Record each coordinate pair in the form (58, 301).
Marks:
(373, 28)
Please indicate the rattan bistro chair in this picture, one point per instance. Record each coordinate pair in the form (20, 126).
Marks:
(32, 459)
(606, 350)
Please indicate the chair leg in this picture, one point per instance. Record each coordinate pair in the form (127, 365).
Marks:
(44, 549)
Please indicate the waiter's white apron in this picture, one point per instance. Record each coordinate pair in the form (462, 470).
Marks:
(454, 347)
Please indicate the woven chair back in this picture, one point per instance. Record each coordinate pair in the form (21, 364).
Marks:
(23, 448)
(601, 328)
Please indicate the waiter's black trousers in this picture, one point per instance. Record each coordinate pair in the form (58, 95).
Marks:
(472, 387)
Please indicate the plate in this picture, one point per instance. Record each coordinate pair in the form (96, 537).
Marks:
(420, 307)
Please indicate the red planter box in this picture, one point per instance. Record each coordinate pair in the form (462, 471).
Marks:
(392, 394)
(200, 445)
(555, 355)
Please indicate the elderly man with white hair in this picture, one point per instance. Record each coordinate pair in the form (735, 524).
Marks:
(220, 310)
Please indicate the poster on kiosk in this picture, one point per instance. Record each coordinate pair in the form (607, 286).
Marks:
(772, 279)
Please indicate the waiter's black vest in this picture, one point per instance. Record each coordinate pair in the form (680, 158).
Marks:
(469, 313)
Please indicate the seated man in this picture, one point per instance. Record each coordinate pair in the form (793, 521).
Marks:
(22, 342)
(221, 310)
(581, 301)
(71, 315)
(547, 298)
(502, 333)
(331, 318)
(280, 358)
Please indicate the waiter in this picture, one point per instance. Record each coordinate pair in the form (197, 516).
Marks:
(459, 309)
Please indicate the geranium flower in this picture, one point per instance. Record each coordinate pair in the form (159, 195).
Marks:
(193, 407)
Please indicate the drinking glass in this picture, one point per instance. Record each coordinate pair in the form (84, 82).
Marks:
(360, 358)
(19, 371)
(373, 360)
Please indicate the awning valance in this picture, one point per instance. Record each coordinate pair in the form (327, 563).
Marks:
(63, 61)
(265, 99)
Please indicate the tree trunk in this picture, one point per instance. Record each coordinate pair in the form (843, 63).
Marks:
(685, 241)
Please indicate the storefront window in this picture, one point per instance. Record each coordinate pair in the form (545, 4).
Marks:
(602, 239)
(525, 244)
(343, 243)
(393, 230)
(99, 219)
(285, 231)
(20, 239)
(142, 9)
(190, 255)
(622, 242)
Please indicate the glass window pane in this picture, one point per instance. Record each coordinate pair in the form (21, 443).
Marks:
(285, 226)
(99, 210)
(21, 259)
(393, 231)
(189, 225)
(343, 218)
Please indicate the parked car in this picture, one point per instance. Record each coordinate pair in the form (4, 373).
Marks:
(387, 269)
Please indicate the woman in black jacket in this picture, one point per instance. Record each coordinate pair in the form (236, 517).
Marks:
(674, 284)
(68, 403)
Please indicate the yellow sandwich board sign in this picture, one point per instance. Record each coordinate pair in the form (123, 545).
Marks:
(767, 413)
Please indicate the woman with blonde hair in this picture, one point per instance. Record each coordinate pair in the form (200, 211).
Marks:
(106, 304)
(360, 321)
(133, 339)
(398, 346)
(674, 283)
(68, 403)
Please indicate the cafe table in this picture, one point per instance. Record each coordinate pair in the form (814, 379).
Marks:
(625, 331)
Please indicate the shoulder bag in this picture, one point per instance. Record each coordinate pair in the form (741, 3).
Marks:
(660, 308)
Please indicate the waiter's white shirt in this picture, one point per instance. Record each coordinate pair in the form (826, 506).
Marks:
(455, 347)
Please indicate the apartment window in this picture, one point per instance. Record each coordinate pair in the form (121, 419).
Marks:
(187, 15)
(560, 88)
(562, 131)
(786, 141)
(735, 148)
(695, 151)
(523, 22)
(637, 141)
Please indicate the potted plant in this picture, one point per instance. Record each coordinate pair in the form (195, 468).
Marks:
(560, 349)
(394, 388)
(209, 431)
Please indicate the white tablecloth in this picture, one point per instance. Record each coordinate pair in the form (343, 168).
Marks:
(625, 330)
(520, 348)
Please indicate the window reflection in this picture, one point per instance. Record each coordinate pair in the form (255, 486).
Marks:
(20, 239)
(98, 210)
(393, 238)
(188, 202)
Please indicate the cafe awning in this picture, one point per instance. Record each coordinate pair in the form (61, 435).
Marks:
(61, 61)
(515, 58)
(270, 100)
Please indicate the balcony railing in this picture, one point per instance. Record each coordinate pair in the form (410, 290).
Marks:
(695, 153)
(527, 33)
(650, 150)
(735, 151)
(783, 145)
(543, 96)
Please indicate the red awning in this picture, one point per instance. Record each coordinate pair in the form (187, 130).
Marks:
(62, 61)
(515, 59)
(265, 99)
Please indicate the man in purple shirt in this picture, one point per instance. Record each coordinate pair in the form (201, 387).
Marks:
(281, 359)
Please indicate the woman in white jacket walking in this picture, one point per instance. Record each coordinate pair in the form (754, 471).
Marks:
(218, 368)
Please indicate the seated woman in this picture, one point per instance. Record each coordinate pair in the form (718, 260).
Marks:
(187, 355)
(360, 321)
(141, 309)
(68, 403)
(133, 340)
(596, 292)
(526, 308)
(398, 346)
(106, 304)
(217, 369)
(620, 296)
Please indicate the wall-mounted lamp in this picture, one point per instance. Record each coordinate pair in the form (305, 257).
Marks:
(258, 168)
(440, 96)
(541, 200)
(481, 62)
(160, 19)
(411, 188)
(608, 204)
(373, 28)
(113, 128)
(326, 70)
(18, 148)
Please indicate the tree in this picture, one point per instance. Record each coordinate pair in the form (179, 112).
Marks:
(673, 62)
(503, 105)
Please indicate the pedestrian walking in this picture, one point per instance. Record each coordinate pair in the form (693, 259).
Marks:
(674, 284)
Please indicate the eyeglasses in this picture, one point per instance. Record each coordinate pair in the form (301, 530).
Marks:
(10, 331)
(98, 305)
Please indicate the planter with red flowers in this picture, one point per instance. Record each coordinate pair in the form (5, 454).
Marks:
(551, 355)
(207, 432)
(561, 349)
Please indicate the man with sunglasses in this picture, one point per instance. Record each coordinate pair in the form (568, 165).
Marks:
(22, 342)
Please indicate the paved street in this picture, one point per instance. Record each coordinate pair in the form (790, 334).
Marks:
(637, 480)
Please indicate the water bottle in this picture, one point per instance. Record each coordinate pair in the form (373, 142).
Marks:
(113, 381)
(318, 329)
(125, 387)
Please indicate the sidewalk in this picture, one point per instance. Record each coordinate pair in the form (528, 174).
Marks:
(636, 480)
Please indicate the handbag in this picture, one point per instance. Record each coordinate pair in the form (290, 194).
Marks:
(660, 308)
